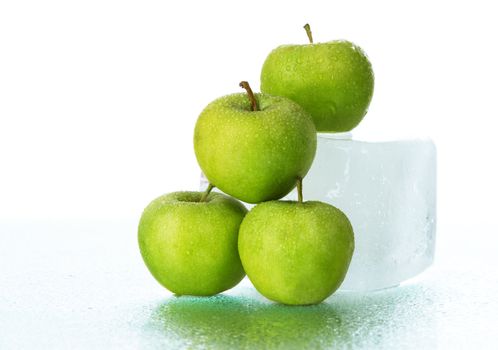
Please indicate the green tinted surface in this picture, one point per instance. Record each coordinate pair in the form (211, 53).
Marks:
(83, 285)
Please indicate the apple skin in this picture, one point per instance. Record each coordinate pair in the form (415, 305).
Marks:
(333, 81)
(251, 155)
(296, 253)
(190, 247)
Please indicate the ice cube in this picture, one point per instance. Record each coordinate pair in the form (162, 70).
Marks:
(388, 191)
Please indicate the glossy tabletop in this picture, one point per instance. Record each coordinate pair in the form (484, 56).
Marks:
(82, 285)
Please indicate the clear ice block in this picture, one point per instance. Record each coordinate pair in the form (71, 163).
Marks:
(388, 191)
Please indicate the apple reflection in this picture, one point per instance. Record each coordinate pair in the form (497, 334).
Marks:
(240, 322)
(404, 315)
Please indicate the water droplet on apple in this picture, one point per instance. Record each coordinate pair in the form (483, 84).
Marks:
(332, 108)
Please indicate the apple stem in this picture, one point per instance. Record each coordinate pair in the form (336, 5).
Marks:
(245, 85)
(299, 190)
(308, 32)
(206, 193)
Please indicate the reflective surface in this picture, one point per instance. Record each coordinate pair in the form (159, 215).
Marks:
(83, 285)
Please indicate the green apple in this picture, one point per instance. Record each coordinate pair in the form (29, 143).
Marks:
(254, 146)
(296, 253)
(333, 81)
(189, 242)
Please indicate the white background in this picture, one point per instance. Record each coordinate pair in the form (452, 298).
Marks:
(98, 99)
